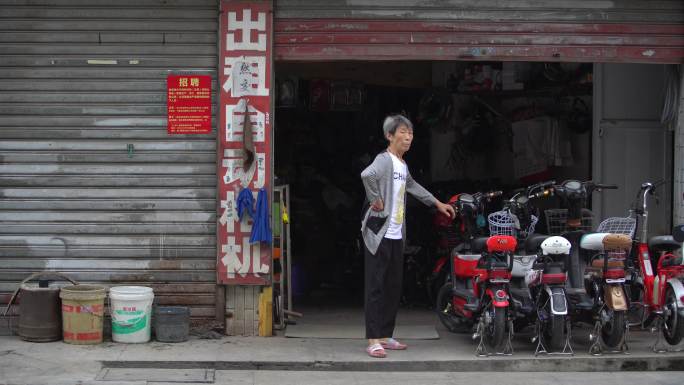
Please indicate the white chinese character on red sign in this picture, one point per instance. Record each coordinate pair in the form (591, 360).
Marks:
(251, 258)
(246, 26)
(235, 121)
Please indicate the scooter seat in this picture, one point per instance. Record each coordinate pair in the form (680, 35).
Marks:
(605, 241)
(534, 241)
(478, 245)
(663, 243)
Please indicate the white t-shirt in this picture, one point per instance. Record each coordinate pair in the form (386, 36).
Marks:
(399, 173)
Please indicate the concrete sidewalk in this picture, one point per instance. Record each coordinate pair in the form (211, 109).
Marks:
(49, 362)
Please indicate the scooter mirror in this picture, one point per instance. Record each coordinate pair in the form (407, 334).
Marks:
(678, 233)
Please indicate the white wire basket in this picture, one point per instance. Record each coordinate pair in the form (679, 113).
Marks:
(557, 219)
(618, 225)
(503, 223)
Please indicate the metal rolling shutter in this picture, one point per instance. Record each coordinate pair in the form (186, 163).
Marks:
(554, 30)
(90, 182)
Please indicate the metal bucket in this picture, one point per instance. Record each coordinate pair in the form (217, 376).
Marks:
(171, 323)
(40, 316)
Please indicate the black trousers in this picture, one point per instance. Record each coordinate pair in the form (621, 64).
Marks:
(383, 275)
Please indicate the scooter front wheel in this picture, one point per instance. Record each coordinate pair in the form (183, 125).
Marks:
(674, 332)
(553, 325)
(614, 329)
(555, 332)
(495, 331)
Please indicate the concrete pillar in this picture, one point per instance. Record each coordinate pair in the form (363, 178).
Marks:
(678, 201)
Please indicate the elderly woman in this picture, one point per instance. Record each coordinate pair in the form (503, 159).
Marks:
(387, 180)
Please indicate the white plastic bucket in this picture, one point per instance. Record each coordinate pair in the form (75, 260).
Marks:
(131, 309)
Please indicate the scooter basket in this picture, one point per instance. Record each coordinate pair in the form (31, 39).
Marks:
(503, 223)
(556, 221)
(618, 225)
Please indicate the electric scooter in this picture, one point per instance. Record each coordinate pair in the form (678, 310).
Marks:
(546, 282)
(468, 225)
(605, 284)
(479, 293)
(661, 292)
(518, 219)
(596, 285)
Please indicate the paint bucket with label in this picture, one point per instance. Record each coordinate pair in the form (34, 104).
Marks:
(131, 310)
(82, 313)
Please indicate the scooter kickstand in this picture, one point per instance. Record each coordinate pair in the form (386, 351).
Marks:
(540, 340)
(508, 348)
(659, 346)
(567, 349)
(596, 348)
(481, 350)
(624, 346)
(599, 347)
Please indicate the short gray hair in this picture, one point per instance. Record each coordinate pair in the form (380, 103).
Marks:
(392, 122)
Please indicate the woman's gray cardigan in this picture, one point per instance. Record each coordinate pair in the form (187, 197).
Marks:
(378, 182)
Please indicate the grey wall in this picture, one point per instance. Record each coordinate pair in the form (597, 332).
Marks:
(678, 181)
(630, 145)
(73, 197)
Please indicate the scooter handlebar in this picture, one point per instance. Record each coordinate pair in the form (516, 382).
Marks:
(600, 186)
(543, 193)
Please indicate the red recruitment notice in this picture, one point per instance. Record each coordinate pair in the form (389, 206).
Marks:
(188, 104)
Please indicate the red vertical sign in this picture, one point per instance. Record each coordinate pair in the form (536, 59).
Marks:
(244, 85)
(188, 104)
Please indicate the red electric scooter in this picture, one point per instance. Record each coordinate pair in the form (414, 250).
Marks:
(479, 292)
(457, 236)
(661, 292)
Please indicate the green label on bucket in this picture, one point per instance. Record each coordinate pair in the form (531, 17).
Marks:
(130, 325)
(123, 312)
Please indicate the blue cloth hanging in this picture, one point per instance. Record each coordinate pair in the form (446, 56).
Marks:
(245, 203)
(261, 229)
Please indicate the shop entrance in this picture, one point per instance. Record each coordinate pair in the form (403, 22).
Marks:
(467, 116)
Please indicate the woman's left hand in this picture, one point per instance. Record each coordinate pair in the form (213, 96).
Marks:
(446, 209)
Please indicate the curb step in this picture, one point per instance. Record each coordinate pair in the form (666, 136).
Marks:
(495, 364)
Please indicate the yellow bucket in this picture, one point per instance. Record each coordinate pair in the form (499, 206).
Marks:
(82, 313)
